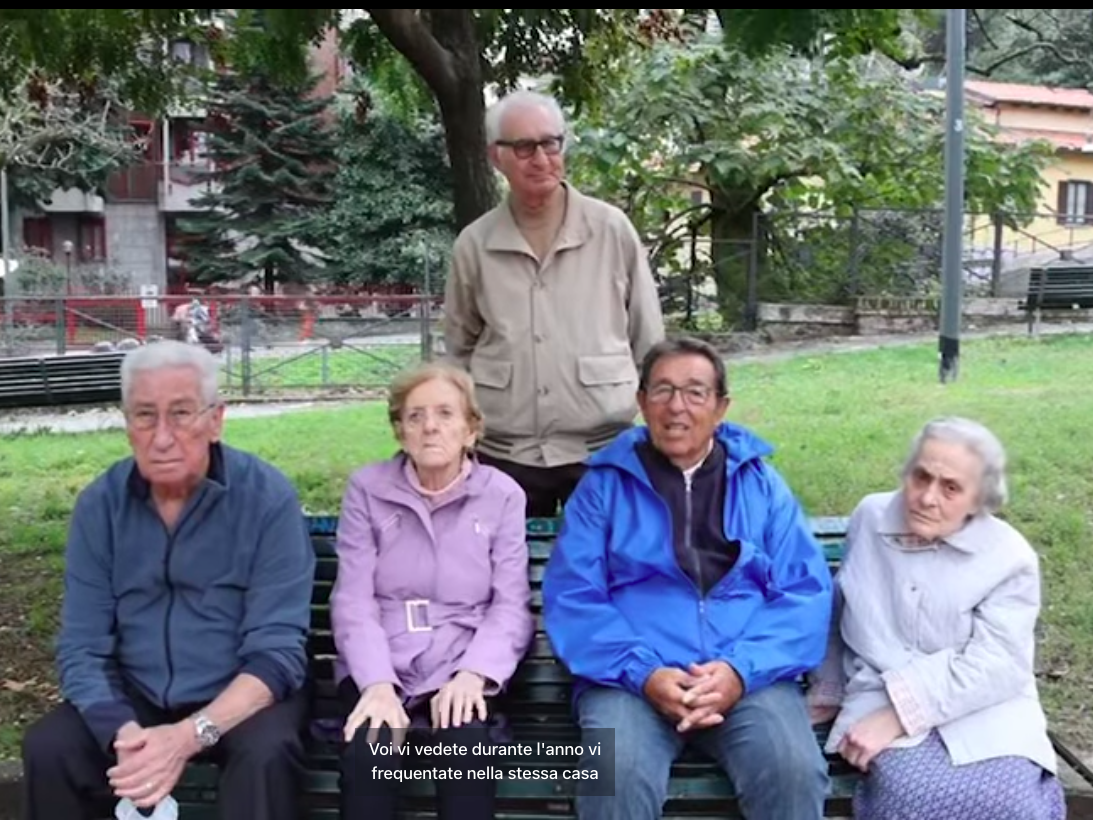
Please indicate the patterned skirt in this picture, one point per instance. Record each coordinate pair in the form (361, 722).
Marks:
(921, 783)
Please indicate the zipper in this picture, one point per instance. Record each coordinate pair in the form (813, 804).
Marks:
(167, 617)
(187, 511)
(688, 545)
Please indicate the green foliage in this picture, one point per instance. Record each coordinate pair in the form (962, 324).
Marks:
(272, 152)
(392, 215)
(128, 47)
(748, 134)
(1052, 47)
(810, 32)
(53, 135)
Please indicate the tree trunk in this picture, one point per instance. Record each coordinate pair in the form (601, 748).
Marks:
(731, 237)
(442, 46)
(463, 112)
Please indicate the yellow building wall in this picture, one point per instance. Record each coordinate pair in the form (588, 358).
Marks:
(1071, 120)
(1044, 233)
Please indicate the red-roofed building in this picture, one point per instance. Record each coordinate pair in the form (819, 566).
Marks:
(1064, 118)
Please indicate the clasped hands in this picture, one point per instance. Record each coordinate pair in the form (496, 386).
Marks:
(151, 760)
(457, 702)
(696, 698)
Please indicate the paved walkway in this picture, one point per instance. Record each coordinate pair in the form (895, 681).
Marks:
(84, 420)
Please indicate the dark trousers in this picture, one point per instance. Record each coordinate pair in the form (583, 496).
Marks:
(261, 763)
(368, 797)
(547, 488)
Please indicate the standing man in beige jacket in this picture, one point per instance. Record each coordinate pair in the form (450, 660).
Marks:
(550, 304)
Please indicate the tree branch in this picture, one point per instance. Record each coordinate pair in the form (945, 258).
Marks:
(1018, 54)
(983, 28)
(408, 33)
(49, 128)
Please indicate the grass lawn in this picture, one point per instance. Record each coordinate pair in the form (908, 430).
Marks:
(840, 422)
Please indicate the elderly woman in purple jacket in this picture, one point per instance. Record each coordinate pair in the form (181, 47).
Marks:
(430, 611)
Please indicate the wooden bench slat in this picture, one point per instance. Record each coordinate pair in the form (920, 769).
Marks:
(537, 705)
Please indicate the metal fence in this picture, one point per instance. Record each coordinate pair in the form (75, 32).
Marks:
(267, 345)
(821, 258)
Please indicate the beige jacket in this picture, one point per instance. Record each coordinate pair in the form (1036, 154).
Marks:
(945, 635)
(554, 348)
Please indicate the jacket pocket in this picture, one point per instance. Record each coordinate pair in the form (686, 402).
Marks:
(611, 383)
(493, 389)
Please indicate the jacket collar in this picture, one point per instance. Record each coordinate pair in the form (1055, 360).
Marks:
(394, 486)
(741, 446)
(216, 475)
(969, 539)
(504, 235)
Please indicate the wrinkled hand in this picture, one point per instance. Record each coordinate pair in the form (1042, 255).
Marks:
(665, 689)
(715, 688)
(150, 761)
(458, 700)
(870, 736)
(379, 705)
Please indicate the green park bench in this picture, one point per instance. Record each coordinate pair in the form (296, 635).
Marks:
(538, 707)
(81, 378)
(1057, 286)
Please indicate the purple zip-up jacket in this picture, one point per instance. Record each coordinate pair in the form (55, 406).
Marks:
(467, 557)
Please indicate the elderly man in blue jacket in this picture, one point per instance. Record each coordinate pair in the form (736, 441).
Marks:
(188, 577)
(686, 594)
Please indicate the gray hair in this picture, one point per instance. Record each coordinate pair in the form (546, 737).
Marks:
(517, 100)
(169, 353)
(993, 491)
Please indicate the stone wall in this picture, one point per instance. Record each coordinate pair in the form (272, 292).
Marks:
(875, 315)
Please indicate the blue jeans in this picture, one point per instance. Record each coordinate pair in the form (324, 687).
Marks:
(765, 745)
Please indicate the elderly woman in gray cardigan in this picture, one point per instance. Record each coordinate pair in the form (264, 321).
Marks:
(929, 674)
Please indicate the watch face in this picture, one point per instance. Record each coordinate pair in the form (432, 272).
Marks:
(207, 733)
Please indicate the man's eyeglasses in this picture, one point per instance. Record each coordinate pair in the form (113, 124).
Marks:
(525, 149)
(178, 418)
(693, 394)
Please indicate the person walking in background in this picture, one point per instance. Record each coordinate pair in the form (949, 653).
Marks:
(550, 304)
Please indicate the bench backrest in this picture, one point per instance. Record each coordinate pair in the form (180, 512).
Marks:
(541, 689)
(76, 379)
(1066, 287)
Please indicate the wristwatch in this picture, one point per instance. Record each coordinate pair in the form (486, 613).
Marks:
(207, 733)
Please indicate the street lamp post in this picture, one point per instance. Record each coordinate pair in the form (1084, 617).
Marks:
(67, 247)
(952, 253)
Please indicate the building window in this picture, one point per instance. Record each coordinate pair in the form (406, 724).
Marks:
(38, 234)
(91, 233)
(1075, 204)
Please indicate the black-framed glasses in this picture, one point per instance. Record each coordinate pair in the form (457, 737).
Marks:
(693, 394)
(525, 149)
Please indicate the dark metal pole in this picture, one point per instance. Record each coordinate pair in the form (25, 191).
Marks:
(952, 268)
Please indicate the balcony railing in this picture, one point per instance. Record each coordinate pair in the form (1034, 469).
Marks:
(184, 184)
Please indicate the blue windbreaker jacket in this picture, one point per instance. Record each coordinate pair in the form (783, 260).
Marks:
(617, 605)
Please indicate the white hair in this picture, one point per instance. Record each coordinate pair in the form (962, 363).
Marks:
(993, 490)
(169, 353)
(518, 100)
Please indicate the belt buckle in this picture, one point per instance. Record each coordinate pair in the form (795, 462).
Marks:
(417, 615)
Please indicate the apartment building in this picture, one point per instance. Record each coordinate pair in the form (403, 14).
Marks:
(133, 229)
